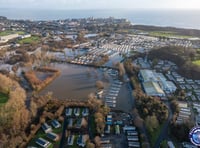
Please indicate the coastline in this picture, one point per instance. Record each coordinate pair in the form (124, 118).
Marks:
(188, 19)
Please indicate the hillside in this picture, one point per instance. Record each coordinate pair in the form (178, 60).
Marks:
(177, 31)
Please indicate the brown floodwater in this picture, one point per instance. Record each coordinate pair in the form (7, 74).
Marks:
(75, 82)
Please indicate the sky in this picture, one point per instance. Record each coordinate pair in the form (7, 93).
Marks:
(101, 4)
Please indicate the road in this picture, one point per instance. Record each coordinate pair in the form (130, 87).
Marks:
(164, 131)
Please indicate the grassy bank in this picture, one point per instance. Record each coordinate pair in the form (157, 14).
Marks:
(3, 98)
(153, 136)
(8, 32)
(30, 40)
(38, 84)
(168, 34)
(197, 62)
(41, 134)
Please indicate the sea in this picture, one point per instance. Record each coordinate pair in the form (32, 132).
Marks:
(167, 17)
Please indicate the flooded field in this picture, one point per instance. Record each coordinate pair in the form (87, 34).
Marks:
(75, 82)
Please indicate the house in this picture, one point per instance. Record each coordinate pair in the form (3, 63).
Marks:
(85, 112)
(43, 143)
(107, 129)
(132, 133)
(129, 128)
(70, 140)
(132, 138)
(68, 112)
(109, 120)
(46, 128)
(81, 141)
(52, 136)
(77, 111)
(134, 144)
(55, 124)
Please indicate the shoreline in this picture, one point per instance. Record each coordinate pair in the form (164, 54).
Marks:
(162, 18)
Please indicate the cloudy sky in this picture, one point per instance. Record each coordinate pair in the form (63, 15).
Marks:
(101, 4)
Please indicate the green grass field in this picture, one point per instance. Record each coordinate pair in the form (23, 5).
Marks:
(197, 62)
(167, 34)
(41, 134)
(8, 32)
(154, 135)
(3, 98)
(30, 40)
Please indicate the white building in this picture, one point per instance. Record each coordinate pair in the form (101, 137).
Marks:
(146, 75)
(153, 89)
(155, 84)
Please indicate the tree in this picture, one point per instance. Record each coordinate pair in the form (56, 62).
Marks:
(99, 85)
(33, 108)
(81, 37)
(121, 69)
(180, 131)
(84, 123)
(90, 145)
(151, 123)
(97, 141)
(174, 106)
(154, 62)
(138, 122)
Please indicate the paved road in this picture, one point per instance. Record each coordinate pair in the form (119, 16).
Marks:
(164, 131)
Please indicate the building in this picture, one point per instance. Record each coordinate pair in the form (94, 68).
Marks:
(184, 113)
(46, 128)
(155, 84)
(76, 111)
(153, 89)
(129, 128)
(25, 36)
(146, 75)
(85, 112)
(109, 120)
(68, 112)
(52, 136)
(70, 140)
(43, 143)
(168, 86)
(55, 124)
(81, 141)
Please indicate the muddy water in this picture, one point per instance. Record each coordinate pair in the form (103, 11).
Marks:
(75, 82)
